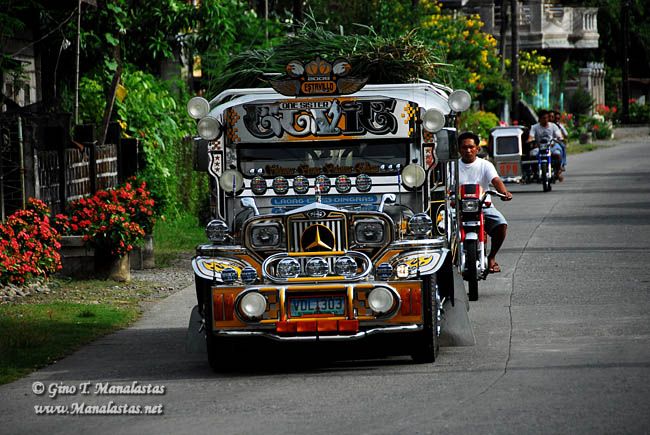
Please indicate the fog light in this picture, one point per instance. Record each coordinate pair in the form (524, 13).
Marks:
(459, 100)
(384, 271)
(249, 275)
(380, 300)
(198, 107)
(345, 266)
(209, 128)
(252, 305)
(420, 224)
(433, 120)
(228, 275)
(402, 270)
(317, 267)
(413, 176)
(288, 268)
(217, 231)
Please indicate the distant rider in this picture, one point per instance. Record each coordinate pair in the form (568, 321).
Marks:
(473, 170)
(557, 118)
(544, 131)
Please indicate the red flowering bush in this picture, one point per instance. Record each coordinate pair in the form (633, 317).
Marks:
(111, 220)
(28, 245)
(606, 112)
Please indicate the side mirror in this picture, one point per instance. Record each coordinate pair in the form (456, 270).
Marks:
(248, 202)
(387, 198)
(200, 160)
(446, 147)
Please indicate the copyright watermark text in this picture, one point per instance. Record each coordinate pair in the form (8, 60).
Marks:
(56, 390)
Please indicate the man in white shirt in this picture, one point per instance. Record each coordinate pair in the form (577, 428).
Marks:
(473, 170)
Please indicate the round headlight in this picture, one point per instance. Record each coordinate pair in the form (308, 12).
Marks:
(433, 120)
(413, 176)
(288, 268)
(380, 300)
(228, 275)
(384, 271)
(343, 184)
(364, 182)
(209, 128)
(301, 184)
(198, 107)
(280, 185)
(216, 230)
(248, 275)
(252, 305)
(317, 267)
(459, 100)
(258, 185)
(231, 181)
(420, 225)
(345, 266)
(323, 184)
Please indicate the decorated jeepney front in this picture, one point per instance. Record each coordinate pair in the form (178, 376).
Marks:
(324, 222)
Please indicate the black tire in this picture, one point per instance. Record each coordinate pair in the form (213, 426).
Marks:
(426, 345)
(546, 182)
(220, 350)
(471, 271)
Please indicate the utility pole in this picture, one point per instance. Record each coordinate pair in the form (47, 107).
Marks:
(625, 17)
(514, 65)
(503, 32)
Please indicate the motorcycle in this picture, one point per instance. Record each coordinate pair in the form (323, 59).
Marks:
(543, 170)
(473, 238)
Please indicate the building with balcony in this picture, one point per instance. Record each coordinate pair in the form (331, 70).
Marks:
(560, 32)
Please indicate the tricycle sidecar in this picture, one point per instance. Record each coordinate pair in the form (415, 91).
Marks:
(506, 150)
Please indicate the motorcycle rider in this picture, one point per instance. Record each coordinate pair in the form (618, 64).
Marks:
(545, 130)
(474, 170)
(556, 118)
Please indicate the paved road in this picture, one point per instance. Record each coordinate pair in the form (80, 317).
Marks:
(563, 342)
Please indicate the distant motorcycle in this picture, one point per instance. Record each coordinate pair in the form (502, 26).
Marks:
(473, 239)
(543, 171)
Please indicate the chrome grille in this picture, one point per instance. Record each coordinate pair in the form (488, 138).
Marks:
(337, 226)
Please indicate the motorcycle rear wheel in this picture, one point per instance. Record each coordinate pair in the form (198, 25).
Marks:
(471, 271)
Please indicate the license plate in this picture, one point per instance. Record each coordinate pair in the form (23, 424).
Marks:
(319, 305)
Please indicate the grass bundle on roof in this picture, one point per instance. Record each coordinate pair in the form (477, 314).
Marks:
(380, 58)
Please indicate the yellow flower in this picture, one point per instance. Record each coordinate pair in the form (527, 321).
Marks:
(465, 34)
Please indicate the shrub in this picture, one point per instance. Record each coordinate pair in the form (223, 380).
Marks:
(639, 113)
(580, 102)
(479, 122)
(111, 220)
(28, 245)
(600, 129)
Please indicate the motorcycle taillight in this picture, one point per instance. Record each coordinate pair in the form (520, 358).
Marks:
(470, 190)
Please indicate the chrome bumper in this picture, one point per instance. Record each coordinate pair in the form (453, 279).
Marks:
(307, 338)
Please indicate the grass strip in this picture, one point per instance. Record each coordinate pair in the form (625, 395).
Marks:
(34, 335)
(44, 327)
(176, 236)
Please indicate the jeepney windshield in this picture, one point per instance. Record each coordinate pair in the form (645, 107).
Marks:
(329, 158)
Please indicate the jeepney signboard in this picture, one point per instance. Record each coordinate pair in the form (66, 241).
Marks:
(321, 119)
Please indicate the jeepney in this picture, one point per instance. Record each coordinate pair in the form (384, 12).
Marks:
(329, 219)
